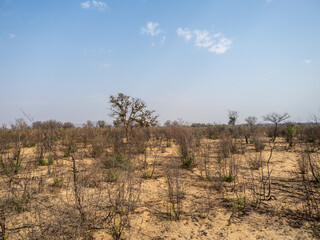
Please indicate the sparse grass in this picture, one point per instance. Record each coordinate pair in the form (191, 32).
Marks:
(228, 178)
(45, 161)
(239, 203)
(58, 181)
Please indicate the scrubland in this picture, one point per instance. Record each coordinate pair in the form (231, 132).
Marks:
(176, 182)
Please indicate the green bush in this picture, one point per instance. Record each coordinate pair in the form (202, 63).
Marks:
(112, 176)
(188, 161)
(228, 178)
(119, 160)
(66, 154)
(12, 166)
(46, 162)
(290, 133)
(20, 204)
(29, 144)
(142, 150)
(42, 162)
(70, 150)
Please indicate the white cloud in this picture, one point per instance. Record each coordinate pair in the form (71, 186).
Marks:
(12, 36)
(100, 5)
(152, 29)
(85, 5)
(214, 42)
(307, 61)
(186, 33)
(203, 39)
(221, 46)
(269, 1)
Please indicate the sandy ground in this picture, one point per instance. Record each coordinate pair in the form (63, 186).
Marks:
(207, 206)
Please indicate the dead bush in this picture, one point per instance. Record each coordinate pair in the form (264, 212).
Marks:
(184, 137)
(175, 192)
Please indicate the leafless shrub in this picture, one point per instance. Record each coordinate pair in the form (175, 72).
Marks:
(12, 148)
(168, 135)
(204, 204)
(310, 185)
(150, 169)
(140, 140)
(120, 161)
(55, 220)
(226, 147)
(175, 192)
(118, 144)
(187, 145)
(259, 145)
(218, 131)
(99, 143)
(254, 187)
(303, 164)
(254, 161)
(205, 156)
(123, 199)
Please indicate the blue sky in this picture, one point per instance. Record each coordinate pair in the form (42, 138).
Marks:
(188, 59)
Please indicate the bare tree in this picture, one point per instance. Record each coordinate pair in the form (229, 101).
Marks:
(276, 119)
(251, 121)
(20, 124)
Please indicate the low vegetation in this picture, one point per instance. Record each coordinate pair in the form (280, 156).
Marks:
(136, 180)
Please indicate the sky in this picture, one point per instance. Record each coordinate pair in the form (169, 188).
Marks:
(191, 60)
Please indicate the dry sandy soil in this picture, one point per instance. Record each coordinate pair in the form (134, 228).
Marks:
(209, 209)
